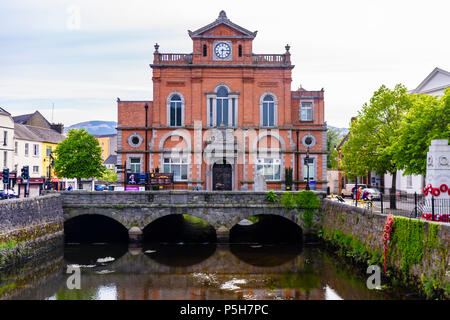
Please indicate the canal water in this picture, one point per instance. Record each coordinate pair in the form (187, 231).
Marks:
(191, 272)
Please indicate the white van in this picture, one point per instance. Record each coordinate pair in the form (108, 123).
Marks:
(348, 190)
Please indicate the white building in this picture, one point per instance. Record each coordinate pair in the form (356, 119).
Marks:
(434, 84)
(6, 140)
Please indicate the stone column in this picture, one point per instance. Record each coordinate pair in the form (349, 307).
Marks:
(135, 235)
(223, 235)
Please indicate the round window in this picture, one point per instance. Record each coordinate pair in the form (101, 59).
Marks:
(135, 140)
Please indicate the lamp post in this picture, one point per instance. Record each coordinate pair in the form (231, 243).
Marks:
(307, 168)
(308, 142)
(49, 170)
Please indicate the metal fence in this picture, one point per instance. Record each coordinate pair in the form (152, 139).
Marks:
(413, 205)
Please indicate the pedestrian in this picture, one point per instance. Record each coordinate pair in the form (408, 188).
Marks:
(70, 187)
(359, 194)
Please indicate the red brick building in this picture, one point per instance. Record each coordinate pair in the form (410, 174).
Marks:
(222, 114)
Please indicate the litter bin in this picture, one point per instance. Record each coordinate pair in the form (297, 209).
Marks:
(312, 185)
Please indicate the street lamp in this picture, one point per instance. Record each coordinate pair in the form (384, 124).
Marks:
(49, 170)
(308, 142)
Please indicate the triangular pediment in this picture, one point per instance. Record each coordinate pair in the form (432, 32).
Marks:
(222, 27)
(437, 79)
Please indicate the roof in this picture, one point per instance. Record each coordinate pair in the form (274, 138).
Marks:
(112, 159)
(26, 132)
(4, 111)
(222, 19)
(111, 135)
(344, 139)
(428, 79)
(24, 118)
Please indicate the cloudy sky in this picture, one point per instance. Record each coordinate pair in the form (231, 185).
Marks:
(82, 55)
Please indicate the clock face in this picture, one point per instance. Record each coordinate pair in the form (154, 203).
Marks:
(222, 50)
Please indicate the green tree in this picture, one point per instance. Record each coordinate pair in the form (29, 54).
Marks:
(332, 142)
(79, 156)
(109, 176)
(428, 119)
(373, 134)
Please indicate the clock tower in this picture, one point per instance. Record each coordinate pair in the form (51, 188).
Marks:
(222, 40)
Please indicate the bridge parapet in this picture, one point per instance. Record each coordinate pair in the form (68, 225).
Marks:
(80, 197)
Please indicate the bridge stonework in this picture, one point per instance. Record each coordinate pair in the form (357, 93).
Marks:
(135, 210)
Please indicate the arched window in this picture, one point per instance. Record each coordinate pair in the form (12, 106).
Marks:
(222, 106)
(222, 113)
(268, 112)
(240, 50)
(205, 50)
(175, 110)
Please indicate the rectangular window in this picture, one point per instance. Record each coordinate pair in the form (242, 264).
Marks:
(175, 113)
(16, 147)
(178, 166)
(35, 169)
(36, 150)
(26, 149)
(5, 158)
(49, 151)
(135, 165)
(269, 168)
(5, 138)
(306, 111)
(311, 170)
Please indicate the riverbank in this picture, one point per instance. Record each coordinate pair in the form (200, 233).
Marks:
(29, 228)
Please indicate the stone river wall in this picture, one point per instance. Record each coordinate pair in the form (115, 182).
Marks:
(418, 250)
(30, 227)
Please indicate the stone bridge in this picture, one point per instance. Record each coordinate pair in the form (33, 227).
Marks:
(135, 210)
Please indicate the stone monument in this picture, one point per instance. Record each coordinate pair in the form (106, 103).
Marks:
(259, 183)
(437, 180)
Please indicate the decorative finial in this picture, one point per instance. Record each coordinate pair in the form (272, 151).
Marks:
(287, 48)
(156, 48)
(222, 15)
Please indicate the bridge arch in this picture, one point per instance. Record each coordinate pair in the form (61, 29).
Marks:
(267, 228)
(94, 228)
(176, 228)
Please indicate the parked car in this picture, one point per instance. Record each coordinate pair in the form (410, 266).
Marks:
(99, 187)
(349, 190)
(8, 194)
(374, 194)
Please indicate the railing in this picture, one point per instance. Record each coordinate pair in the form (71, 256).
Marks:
(414, 205)
(278, 59)
(173, 58)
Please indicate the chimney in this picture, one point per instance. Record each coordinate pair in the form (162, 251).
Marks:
(58, 127)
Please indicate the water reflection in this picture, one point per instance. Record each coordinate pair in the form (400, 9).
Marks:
(192, 272)
(179, 255)
(265, 255)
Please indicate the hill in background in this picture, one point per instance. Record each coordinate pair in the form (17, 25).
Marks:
(95, 127)
(341, 131)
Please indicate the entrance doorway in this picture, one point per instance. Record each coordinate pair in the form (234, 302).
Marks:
(222, 175)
